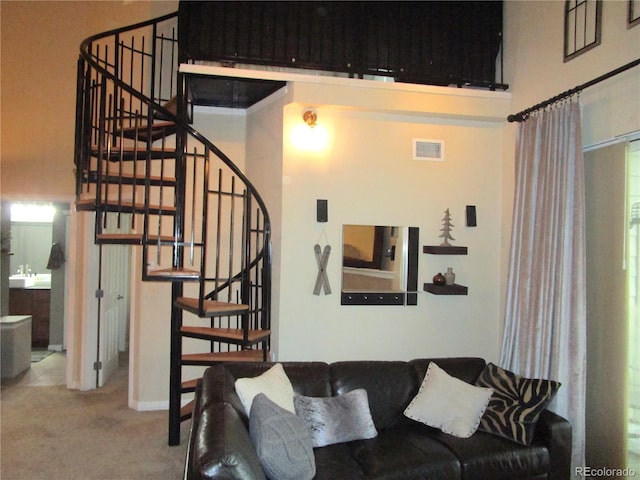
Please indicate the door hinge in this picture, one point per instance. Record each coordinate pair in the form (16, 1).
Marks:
(99, 293)
(97, 366)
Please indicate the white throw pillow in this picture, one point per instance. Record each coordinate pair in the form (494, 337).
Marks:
(274, 383)
(448, 403)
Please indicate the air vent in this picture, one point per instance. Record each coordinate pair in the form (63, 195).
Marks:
(424, 149)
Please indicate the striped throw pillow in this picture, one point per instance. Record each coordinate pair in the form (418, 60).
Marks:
(516, 403)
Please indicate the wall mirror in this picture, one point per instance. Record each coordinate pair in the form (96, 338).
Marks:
(379, 265)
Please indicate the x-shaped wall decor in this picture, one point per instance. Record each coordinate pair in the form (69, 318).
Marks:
(322, 281)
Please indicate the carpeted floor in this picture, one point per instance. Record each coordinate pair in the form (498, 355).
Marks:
(50, 432)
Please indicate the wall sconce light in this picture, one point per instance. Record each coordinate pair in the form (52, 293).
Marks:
(310, 117)
(310, 136)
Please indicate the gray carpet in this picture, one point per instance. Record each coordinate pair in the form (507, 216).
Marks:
(59, 434)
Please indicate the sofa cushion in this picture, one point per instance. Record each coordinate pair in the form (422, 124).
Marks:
(516, 403)
(465, 368)
(447, 403)
(336, 419)
(336, 461)
(405, 453)
(390, 387)
(274, 383)
(308, 378)
(487, 457)
(282, 441)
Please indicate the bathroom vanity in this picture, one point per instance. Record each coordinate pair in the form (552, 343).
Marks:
(33, 300)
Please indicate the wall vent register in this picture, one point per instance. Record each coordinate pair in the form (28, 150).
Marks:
(424, 149)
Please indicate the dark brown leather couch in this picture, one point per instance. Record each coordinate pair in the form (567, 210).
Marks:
(220, 447)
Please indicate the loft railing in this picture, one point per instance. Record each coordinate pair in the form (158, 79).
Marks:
(439, 43)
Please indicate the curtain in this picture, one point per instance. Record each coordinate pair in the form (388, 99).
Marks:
(545, 323)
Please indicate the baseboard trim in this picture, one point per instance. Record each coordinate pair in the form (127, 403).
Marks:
(153, 406)
(55, 348)
(150, 406)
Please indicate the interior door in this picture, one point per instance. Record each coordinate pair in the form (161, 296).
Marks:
(114, 301)
(114, 286)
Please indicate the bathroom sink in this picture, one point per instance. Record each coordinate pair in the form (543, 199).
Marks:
(43, 280)
(18, 281)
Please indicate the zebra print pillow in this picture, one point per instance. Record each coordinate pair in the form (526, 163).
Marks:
(516, 403)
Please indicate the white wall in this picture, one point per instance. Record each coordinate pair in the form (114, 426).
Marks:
(264, 169)
(151, 301)
(368, 176)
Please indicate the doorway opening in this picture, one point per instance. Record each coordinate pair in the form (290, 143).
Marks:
(34, 247)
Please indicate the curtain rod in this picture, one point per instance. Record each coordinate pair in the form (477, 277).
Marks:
(524, 114)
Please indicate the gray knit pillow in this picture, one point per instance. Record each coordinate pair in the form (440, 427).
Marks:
(282, 441)
(337, 419)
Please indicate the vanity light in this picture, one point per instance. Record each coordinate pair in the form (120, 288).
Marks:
(32, 212)
(310, 136)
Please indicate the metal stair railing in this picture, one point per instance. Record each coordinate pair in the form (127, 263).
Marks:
(146, 172)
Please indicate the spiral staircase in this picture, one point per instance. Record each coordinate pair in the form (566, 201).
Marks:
(153, 181)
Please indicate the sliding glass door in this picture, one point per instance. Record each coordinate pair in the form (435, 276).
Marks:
(633, 285)
(612, 190)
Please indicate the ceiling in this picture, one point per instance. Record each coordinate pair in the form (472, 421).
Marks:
(230, 92)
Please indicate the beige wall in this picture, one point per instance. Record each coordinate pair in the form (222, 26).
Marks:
(40, 45)
(368, 176)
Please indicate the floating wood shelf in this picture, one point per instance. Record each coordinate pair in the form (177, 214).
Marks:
(440, 250)
(454, 289)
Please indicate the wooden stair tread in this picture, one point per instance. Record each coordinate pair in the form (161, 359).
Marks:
(90, 203)
(212, 308)
(225, 333)
(174, 272)
(159, 129)
(120, 238)
(214, 357)
(133, 153)
(130, 238)
(129, 178)
(190, 385)
(154, 126)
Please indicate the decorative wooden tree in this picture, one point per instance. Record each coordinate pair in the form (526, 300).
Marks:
(446, 229)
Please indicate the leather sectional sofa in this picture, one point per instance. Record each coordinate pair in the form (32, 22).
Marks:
(220, 446)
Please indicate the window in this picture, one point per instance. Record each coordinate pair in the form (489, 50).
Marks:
(582, 26)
